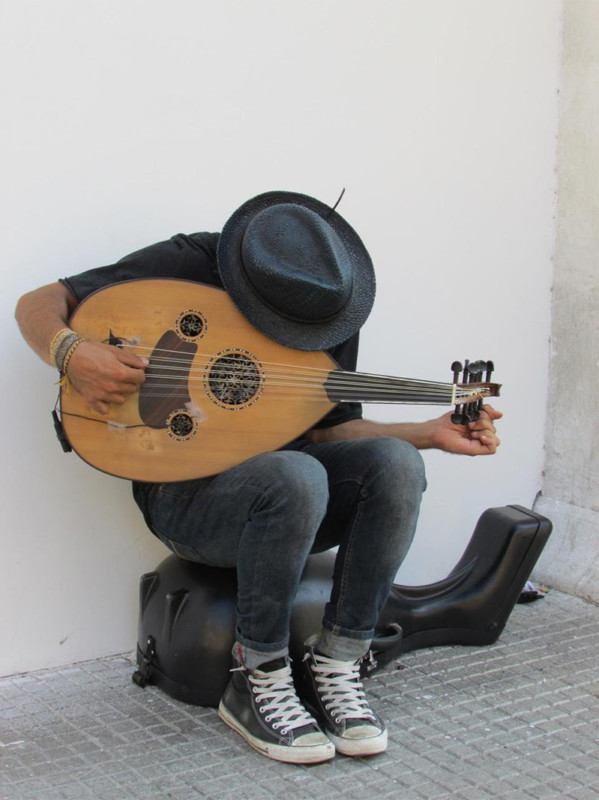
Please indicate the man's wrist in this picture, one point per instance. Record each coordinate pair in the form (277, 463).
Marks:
(419, 434)
(60, 354)
(69, 353)
(60, 344)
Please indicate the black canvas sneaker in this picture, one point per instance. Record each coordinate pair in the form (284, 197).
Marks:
(262, 705)
(332, 690)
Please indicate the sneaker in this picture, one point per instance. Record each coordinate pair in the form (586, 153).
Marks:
(262, 705)
(332, 690)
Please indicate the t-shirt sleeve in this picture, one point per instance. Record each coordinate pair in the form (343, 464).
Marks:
(346, 355)
(184, 257)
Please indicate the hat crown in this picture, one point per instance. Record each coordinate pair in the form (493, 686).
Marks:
(296, 270)
(296, 263)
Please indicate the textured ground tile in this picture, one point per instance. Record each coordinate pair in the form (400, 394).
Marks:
(516, 720)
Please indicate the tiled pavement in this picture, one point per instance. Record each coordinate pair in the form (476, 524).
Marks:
(515, 720)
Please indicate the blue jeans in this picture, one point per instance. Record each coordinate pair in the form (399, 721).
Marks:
(266, 515)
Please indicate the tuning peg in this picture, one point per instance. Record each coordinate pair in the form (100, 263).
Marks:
(476, 369)
(472, 372)
(457, 416)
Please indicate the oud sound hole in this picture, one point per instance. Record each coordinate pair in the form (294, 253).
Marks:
(181, 426)
(191, 325)
(234, 379)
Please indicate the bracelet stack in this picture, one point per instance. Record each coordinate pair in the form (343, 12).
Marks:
(62, 347)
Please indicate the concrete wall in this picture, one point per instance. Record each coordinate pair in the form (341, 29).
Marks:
(570, 495)
(128, 121)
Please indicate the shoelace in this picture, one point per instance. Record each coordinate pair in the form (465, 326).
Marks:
(283, 703)
(340, 688)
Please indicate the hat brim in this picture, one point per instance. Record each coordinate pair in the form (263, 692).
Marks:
(292, 332)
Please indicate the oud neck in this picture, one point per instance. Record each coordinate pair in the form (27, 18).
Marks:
(362, 387)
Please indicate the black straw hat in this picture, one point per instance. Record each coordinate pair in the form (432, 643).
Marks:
(296, 270)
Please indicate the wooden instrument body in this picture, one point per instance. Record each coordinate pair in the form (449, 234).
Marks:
(139, 313)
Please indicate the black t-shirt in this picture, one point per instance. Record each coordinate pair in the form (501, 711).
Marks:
(193, 257)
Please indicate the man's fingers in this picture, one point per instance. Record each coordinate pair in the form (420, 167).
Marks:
(105, 375)
(482, 425)
(486, 439)
(129, 370)
(134, 366)
(102, 404)
(99, 406)
(130, 359)
(490, 441)
(491, 412)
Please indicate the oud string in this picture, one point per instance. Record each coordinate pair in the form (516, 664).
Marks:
(336, 383)
(225, 368)
(223, 374)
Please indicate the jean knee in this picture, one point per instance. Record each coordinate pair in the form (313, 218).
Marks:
(302, 481)
(394, 462)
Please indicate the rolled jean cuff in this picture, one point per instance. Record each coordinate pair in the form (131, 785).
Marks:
(253, 654)
(342, 644)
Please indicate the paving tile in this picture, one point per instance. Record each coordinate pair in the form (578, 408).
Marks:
(515, 719)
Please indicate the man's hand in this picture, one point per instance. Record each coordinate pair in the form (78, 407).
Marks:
(474, 439)
(103, 374)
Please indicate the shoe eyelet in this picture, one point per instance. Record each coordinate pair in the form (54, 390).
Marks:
(261, 709)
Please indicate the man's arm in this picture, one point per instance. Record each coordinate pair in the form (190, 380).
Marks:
(475, 439)
(102, 374)
(41, 314)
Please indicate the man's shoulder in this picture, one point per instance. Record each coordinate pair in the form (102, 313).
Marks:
(184, 256)
(203, 245)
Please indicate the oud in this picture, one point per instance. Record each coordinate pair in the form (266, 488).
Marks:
(216, 390)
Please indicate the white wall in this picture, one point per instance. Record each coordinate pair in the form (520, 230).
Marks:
(128, 121)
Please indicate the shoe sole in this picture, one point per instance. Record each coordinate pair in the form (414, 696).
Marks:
(359, 747)
(299, 754)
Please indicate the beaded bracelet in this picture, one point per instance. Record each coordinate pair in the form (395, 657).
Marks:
(58, 339)
(63, 349)
(69, 354)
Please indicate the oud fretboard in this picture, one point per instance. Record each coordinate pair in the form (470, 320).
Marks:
(361, 387)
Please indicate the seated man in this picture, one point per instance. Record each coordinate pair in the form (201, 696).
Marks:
(301, 275)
